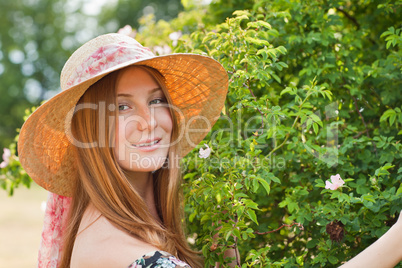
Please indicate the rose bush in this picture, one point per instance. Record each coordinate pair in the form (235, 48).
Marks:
(315, 91)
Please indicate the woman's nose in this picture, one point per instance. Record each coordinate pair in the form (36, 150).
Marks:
(148, 121)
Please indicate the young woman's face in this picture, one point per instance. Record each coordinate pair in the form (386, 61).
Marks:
(144, 123)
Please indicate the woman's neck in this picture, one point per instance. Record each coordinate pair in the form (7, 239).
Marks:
(143, 183)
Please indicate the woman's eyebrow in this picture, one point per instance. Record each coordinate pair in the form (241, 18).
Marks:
(124, 95)
(130, 95)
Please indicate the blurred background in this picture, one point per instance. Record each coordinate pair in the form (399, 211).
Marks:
(21, 220)
(36, 39)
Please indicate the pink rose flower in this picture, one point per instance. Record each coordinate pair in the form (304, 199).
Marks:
(127, 30)
(204, 153)
(336, 182)
(6, 158)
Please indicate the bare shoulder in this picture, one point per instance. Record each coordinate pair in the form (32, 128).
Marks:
(100, 244)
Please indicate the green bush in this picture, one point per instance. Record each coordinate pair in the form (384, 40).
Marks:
(315, 90)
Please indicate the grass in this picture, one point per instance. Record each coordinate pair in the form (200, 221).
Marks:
(21, 222)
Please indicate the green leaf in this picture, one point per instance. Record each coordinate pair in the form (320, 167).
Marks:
(265, 184)
(399, 190)
(241, 13)
(263, 52)
(387, 114)
(315, 127)
(205, 249)
(292, 207)
(258, 42)
(205, 217)
(256, 185)
(191, 217)
(392, 119)
(332, 259)
(257, 24)
(282, 50)
(236, 232)
(319, 183)
(252, 215)
(264, 24)
(276, 78)
(288, 90)
(249, 203)
(312, 243)
(238, 195)
(284, 65)
(228, 234)
(244, 236)
(368, 197)
(274, 178)
(315, 118)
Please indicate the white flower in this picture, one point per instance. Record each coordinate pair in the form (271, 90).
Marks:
(174, 37)
(162, 50)
(204, 153)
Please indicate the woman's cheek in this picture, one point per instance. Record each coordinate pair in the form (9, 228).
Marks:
(166, 121)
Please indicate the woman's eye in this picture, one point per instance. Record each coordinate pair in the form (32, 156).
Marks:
(123, 107)
(157, 101)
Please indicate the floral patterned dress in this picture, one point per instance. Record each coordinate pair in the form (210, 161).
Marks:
(158, 259)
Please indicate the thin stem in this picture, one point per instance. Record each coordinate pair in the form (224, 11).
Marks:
(359, 134)
(262, 114)
(301, 227)
(364, 122)
(294, 123)
(350, 17)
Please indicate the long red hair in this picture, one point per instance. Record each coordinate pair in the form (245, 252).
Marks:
(103, 183)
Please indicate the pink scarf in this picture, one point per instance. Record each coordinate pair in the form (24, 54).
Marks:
(54, 224)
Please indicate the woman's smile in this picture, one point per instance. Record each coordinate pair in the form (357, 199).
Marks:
(148, 146)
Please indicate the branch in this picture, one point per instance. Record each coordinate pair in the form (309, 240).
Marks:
(231, 79)
(359, 134)
(293, 125)
(299, 225)
(350, 17)
(364, 122)
(262, 114)
(228, 253)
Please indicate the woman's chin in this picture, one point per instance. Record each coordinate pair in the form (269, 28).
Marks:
(144, 163)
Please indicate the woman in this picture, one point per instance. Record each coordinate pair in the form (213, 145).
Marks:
(110, 144)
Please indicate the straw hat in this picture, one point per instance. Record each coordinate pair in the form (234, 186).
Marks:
(197, 86)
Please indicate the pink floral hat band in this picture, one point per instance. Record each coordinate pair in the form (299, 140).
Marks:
(106, 58)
